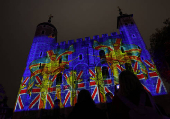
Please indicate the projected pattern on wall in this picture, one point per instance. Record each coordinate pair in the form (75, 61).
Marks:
(94, 66)
(59, 71)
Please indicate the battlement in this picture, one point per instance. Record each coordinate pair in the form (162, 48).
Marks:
(87, 39)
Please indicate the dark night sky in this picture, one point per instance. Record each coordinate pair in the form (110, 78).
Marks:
(73, 19)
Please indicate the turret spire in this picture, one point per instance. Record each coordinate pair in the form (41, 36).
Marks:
(49, 20)
(120, 11)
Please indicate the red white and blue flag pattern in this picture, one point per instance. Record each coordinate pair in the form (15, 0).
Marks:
(22, 95)
(155, 88)
(67, 89)
(85, 69)
(94, 89)
(36, 94)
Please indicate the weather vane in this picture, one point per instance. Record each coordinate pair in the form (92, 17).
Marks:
(120, 11)
(49, 20)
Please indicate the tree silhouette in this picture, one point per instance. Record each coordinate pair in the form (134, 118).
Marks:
(160, 49)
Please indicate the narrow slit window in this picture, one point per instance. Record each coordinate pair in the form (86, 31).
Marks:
(67, 57)
(40, 54)
(59, 79)
(60, 60)
(80, 57)
(40, 65)
(122, 50)
(133, 36)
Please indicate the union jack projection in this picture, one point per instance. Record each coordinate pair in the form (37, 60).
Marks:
(22, 95)
(61, 71)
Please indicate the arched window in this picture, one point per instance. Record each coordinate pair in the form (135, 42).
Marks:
(59, 79)
(122, 50)
(105, 72)
(128, 67)
(102, 54)
(56, 104)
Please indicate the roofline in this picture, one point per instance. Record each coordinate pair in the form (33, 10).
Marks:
(47, 23)
(124, 15)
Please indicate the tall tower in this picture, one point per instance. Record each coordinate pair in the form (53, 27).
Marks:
(45, 39)
(131, 35)
(130, 32)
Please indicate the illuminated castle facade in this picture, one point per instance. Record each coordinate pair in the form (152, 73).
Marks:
(59, 71)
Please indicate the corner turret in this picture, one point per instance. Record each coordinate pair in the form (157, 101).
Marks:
(130, 32)
(45, 37)
(46, 29)
(124, 19)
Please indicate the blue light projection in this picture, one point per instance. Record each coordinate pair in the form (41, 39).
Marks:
(56, 71)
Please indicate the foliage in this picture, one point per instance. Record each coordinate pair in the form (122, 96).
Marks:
(160, 49)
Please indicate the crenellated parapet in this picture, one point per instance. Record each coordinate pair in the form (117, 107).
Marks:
(89, 40)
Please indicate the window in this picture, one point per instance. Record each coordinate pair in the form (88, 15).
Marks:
(105, 72)
(56, 103)
(42, 32)
(40, 65)
(122, 50)
(102, 54)
(53, 35)
(133, 36)
(60, 60)
(80, 57)
(59, 79)
(40, 54)
(67, 57)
